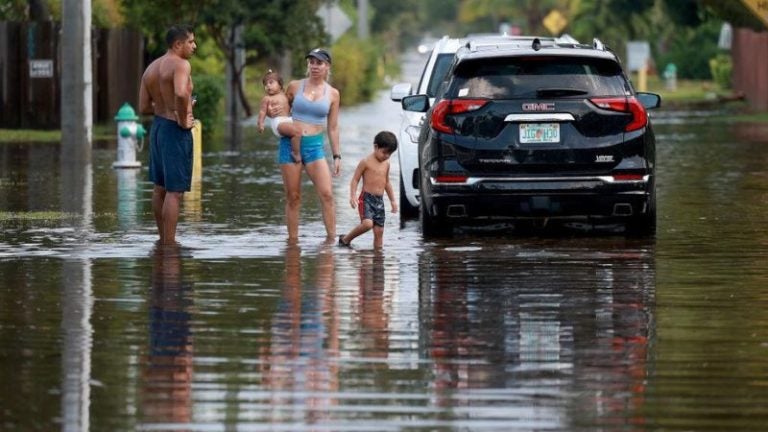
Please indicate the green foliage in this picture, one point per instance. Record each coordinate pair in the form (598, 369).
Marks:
(208, 58)
(13, 10)
(691, 50)
(209, 91)
(358, 69)
(104, 13)
(720, 67)
(270, 28)
(734, 12)
(153, 17)
(684, 12)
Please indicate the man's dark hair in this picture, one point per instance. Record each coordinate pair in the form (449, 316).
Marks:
(385, 140)
(177, 33)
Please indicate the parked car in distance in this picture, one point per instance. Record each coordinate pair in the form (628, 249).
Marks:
(434, 71)
(536, 129)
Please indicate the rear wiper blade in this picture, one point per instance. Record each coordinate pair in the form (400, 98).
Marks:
(558, 92)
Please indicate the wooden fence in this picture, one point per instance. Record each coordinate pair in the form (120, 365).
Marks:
(30, 73)
(749, 51)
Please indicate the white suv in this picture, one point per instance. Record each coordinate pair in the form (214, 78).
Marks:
(434, 72)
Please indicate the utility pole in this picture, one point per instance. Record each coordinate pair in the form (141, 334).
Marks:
(362, 19)
(234, 110)
(76, 81)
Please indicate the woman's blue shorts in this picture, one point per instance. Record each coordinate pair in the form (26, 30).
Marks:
(311, 149)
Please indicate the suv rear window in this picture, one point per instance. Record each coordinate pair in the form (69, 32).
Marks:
(538, 77)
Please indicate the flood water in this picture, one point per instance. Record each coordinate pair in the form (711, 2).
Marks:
(236, 330)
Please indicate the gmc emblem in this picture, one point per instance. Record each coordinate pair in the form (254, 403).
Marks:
(532, 106)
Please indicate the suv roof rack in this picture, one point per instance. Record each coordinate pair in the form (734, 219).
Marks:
(534, 42)
(503, 41)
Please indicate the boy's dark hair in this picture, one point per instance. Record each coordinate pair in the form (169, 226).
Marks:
(272, 75)
(177, 33)
(385, 140)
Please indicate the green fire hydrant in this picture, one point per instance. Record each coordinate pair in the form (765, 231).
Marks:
(130, 136)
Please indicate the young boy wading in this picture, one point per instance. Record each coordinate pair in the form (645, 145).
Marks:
(374, 171)
(166, 90)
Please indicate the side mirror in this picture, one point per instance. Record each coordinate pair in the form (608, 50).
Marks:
(399, 91)
(416, 103)
(648, 100)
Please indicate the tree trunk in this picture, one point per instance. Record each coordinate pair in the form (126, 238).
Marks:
(38, 10)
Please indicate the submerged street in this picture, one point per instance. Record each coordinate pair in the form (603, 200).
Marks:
(237, 330)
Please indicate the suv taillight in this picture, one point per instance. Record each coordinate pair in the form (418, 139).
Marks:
(448, 107)
(628, 105)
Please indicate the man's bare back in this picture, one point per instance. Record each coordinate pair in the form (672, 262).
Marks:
(166, 86)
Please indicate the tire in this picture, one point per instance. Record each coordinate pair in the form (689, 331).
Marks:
(433, 227)
(407, 211)
(644, 225)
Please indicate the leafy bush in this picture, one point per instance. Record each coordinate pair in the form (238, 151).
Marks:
(720, 67)
(209, 91)
(357, 71)
(691, 50)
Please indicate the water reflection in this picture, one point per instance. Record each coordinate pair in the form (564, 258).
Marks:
(300, 366)
(521, 337)
(372, 304)
(77, 341)
(77, 300)
(127, 199)
(168, 373)
(76, 185)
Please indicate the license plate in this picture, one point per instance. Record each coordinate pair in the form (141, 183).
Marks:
(537, 133)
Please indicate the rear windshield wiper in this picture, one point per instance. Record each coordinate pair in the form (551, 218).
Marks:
(559, 92)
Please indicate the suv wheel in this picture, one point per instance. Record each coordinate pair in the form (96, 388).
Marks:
(432, 227)
(644, 225)
(407, 211)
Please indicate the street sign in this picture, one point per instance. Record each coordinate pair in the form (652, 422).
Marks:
(41, 68)
(555, 22)
(759, 8)
(334, 19)
(638, 55)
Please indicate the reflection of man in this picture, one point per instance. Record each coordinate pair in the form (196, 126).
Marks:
(166, 92)
(168, 373)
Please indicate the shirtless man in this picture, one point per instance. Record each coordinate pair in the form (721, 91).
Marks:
(166, 90)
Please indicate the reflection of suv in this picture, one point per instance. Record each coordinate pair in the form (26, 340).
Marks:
(434, 71)
(536, 130)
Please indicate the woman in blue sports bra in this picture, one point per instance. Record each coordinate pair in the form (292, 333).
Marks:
(315, 109)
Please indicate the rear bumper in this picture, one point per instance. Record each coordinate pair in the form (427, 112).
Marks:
(567, 198)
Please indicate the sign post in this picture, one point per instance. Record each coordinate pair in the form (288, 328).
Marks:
(555, 22)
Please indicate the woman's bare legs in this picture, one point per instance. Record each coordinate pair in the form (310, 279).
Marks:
(292, 186)
(320, 174)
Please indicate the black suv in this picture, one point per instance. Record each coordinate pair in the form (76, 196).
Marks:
(537, 130)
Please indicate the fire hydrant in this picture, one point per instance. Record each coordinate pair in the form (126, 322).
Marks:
(130, 137)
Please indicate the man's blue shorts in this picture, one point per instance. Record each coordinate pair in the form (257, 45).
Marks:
(311, 149)
(170, 155)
